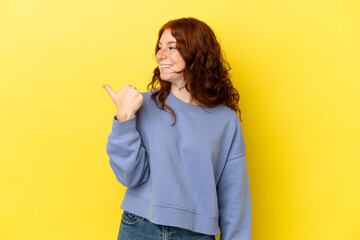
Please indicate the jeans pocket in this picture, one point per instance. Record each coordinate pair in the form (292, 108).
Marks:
(130, 219)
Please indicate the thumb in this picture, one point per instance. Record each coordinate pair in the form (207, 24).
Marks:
(111, 92)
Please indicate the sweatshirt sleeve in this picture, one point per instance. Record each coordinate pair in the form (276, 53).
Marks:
(128, 158)
(234, 195)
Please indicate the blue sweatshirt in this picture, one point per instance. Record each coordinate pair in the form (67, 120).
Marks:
(192, 175)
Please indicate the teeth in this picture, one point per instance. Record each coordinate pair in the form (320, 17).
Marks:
(165, 66)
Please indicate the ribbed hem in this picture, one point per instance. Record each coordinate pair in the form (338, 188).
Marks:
(125, 128)
(169, 216)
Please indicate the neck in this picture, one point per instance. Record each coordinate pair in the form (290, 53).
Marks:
(182, 94)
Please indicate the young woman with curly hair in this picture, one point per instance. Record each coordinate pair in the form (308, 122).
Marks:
(179, 147)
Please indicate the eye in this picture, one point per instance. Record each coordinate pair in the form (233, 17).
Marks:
(171, 48)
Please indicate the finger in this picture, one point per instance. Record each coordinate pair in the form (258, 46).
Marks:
(133, 87)
(109, 90)
(130, 86)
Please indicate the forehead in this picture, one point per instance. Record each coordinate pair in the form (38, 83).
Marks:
(167, 38)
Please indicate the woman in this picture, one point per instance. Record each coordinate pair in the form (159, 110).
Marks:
(179, 148)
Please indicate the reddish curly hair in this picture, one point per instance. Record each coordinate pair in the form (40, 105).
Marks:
(206, 72)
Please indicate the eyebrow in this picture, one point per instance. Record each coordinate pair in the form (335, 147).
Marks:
(159, 43)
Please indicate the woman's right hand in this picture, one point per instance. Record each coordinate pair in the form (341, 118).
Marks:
(127, 101)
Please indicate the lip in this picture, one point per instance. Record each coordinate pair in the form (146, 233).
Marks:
(165, 70)
(161, 66)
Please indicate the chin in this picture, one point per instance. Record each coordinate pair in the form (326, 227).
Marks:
(171, 78)
(165, 78)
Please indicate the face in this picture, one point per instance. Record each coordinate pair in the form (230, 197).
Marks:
(169, 59)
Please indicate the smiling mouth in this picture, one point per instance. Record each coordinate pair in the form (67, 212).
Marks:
(165, 66)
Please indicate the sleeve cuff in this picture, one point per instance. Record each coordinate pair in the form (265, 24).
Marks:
(125, 128)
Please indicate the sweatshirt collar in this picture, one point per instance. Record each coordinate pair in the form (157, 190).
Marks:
(173, 100)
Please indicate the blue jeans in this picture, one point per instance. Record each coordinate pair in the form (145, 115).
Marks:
(133, 227)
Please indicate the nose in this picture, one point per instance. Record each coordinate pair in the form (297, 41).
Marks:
(161, 54)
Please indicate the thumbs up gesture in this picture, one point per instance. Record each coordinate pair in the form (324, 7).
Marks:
(127, 101)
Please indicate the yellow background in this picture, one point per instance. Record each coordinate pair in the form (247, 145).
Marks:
(296, 65)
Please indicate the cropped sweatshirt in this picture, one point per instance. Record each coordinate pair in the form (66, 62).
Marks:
(192, 175)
